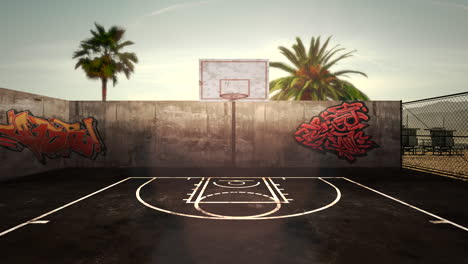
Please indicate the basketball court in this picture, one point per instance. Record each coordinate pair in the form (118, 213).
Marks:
(170, 218)
(251, 182)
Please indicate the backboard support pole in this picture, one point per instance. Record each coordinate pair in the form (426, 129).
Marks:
(233, 133)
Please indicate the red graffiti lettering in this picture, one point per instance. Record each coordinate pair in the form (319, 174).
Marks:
(50, 138)
(338, 129)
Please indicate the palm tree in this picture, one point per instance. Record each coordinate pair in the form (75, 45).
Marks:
(100, 56)
(311, 78)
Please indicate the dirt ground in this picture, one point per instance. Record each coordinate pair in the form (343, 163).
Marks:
(458, 165)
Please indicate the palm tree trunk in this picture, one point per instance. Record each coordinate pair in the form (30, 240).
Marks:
(104, 89)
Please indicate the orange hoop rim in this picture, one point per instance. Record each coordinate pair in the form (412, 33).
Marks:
(233, 96)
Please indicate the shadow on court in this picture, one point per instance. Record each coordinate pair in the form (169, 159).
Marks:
(113, 225)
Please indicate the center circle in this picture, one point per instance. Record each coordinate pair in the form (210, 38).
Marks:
(236, 183)
(276, 202)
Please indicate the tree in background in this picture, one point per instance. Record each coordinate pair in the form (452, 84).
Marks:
(311, 78)
(100, 56)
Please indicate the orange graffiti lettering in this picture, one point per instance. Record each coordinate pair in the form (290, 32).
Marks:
(50, 138)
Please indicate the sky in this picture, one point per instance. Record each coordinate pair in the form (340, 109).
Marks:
(410, 49)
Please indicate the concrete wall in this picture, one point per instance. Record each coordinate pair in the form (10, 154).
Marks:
(198, 134)
(159, 134)
(264, 135)
(14, 164)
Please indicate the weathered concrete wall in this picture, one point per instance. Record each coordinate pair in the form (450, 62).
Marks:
(264, 135)
(186, 134)
(12, 163)
(159, 134)
(198, 134)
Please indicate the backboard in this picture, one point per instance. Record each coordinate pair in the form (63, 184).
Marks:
(245, 80)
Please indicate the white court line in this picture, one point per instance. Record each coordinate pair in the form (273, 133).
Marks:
(225, 177)
(409, 205)
(194, 190)
(236, 202)
(39, 222)
(338, 197)
(276, 187)
(272, 192)
(60, 208)
(438, 222)
(236, 187)
(202, 191)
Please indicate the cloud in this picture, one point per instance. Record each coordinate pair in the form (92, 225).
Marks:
(139, 20)
(177, 6)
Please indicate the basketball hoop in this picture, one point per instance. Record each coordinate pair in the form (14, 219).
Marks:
(228, 80)
(233, 96)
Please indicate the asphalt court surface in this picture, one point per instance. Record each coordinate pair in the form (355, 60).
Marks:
(229, 220)
(238, 198)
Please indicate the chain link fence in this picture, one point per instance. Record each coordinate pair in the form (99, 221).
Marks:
(435, 135)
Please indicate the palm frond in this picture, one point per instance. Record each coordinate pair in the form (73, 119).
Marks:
(311, 47)
(296, 83)
(305, 88)
(123, 44)
(339, 73)
(316, 48)
(81, 61)
(344, 56)
(283, 67)
(116, 33)
(274, 82)
(332, 93)
(80, 53)
(278, 96)
(94, 33)
(313, 96)
(101, 30)
(290, 56)
(281, 83)
(114, 80)
(324, 47)
(127, 72)
(352, 93)
(300, 50)
(127, 59)
(330, 54)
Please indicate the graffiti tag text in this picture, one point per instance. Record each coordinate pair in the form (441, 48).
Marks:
(338, 129)
(51, 138)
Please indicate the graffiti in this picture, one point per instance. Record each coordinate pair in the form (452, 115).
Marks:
(51, 138)
(339, 130)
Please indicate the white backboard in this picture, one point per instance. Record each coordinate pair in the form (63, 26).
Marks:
(220, 77)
